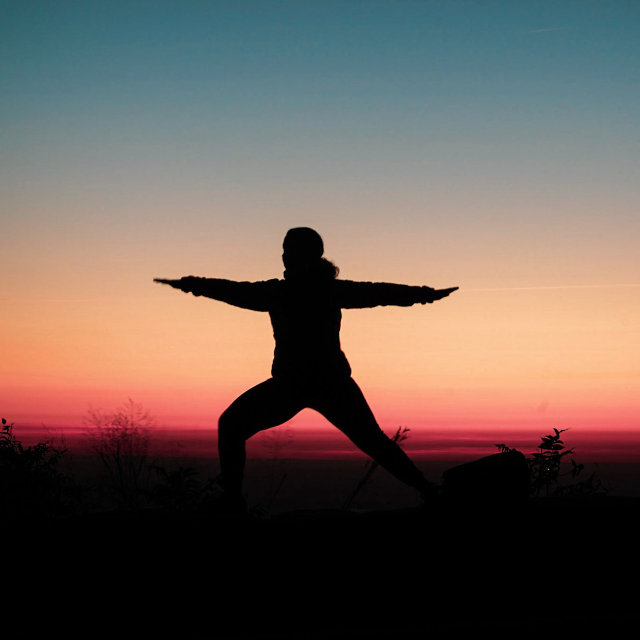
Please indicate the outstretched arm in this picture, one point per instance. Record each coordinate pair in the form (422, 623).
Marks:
(358, 295)
(256, 296)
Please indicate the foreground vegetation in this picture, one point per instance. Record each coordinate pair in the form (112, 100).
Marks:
(32, 484)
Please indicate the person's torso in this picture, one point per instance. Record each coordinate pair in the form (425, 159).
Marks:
(306, 326)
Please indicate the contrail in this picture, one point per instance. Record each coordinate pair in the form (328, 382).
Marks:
(551, 287)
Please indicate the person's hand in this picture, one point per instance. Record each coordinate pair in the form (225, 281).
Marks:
(171, 283)
(186, 284)
(438, 294)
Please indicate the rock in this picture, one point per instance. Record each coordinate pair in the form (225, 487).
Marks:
(501, 479)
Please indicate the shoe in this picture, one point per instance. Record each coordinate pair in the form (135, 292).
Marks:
(430, 495)
(227, 504)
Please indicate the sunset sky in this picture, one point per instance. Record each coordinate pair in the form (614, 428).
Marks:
(493, 146)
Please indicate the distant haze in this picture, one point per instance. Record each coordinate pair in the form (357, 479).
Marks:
(329, 444)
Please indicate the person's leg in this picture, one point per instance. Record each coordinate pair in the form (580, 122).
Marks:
(266, 405)
(345, 406)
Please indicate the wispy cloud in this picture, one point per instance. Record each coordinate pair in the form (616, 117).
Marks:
(562, 286)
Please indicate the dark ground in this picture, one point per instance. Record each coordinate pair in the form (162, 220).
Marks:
(548, 569)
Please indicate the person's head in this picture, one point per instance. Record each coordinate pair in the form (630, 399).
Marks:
(302, 255)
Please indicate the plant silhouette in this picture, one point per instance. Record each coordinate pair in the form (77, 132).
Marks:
(178, 490)
(545, 469)
(401, 434)
(30, 483)
(121, 440)
(309, 367)
(275, 441)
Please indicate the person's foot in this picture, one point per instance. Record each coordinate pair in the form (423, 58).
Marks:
(430, 494)
(227, 504)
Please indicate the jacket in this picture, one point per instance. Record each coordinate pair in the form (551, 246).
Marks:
(306, 315)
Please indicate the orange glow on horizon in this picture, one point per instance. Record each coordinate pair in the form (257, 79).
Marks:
(473, 360)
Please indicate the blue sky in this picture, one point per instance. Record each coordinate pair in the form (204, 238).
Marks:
(488, 122)
(99, 80)
(478, 123)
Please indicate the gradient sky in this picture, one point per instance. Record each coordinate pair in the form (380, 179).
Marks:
(489, 145)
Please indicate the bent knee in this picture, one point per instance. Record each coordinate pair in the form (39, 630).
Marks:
(227, 424)
(230, 426)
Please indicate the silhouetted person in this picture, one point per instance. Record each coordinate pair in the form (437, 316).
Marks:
(309, 368)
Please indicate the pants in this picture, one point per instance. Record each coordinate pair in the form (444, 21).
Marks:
(277, 400)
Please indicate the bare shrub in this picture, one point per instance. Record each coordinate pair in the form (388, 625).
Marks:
(121, 439)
